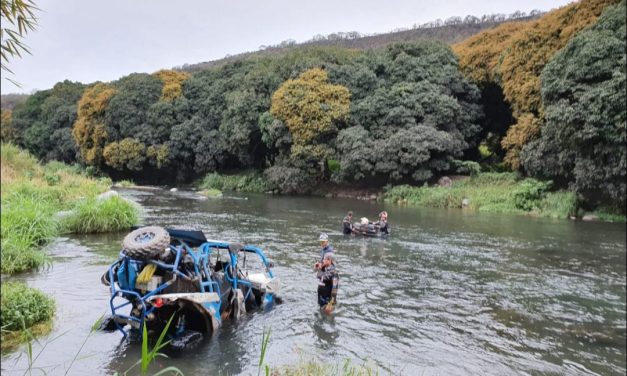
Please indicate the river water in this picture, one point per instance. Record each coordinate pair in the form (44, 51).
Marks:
(450, 292)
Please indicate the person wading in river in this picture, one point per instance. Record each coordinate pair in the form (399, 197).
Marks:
(326, 248)
(328, 282)
(347, 223)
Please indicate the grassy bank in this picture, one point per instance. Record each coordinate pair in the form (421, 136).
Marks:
(33, 196)
(252, 182)
(491, 192)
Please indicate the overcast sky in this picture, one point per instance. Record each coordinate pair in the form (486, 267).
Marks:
(87, 41)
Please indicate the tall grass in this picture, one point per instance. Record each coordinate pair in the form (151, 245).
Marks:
(93, 215)
(244, 182)
(31, 194)
(490, 192)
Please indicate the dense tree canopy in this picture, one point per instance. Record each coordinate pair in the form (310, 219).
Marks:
(583, 92)
(513, 56)
(43, 123)
(413, 113)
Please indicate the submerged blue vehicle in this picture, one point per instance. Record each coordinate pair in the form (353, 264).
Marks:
(175, 275)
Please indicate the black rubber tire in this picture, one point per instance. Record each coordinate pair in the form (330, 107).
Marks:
(155, 240)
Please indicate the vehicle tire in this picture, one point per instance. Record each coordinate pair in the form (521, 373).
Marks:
(146, 242)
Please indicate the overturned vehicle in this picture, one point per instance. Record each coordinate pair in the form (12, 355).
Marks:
(180, 281)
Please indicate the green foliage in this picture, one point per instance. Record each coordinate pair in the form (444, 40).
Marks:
(22, 307)
(27, 224)
(529, 192)
(513, 55)
(288, 179)
(128, 153)
(93, 215)
(44, 122)
(413, 113)
(466, 167)
(490, 192)
(18, 18)
(212, 193)
(246, 182)
(333, 165)
(583, 140)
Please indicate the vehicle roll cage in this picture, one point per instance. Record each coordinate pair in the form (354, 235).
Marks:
(202, 267)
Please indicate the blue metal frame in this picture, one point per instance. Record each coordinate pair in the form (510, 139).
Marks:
(201, 258)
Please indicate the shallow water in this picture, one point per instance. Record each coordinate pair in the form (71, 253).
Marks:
(450, 292)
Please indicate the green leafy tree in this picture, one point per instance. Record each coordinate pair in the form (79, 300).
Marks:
(126, 112)
(129, 154)
(583, 93)
(414, 118)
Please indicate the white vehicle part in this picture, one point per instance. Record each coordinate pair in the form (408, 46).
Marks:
(265, 283)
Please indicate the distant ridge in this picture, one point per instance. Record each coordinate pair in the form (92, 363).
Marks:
(449, 31)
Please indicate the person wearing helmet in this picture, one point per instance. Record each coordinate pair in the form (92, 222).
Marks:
(326, 248)
(328, 282)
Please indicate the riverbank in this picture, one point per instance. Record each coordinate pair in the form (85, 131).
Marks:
(41, 202)
(504, 192)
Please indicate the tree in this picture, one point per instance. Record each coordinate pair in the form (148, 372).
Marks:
(127, 154)
(513, 55)
(7, 132)
(313, 110)
(311, 107)
(19, 16)
(90, 131)
(584, 96)
(418, 115)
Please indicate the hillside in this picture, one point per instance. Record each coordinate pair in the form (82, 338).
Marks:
(449, 31)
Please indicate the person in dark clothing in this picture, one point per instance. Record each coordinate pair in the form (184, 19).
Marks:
(328, 282)
(382, 223)
(347, 223)
(326, 248)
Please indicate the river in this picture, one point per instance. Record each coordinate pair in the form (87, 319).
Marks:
(450, 292)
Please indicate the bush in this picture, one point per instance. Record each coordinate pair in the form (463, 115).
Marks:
(23, 307)
(471, 168)
(528, 193)
(246, 182)
(288, 179)
(93, 215)
(491, 192)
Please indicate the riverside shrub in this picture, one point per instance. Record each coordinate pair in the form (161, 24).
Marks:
(22, 306)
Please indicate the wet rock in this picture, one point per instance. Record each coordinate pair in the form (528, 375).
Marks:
(445, 181)
(465, 202)
(63, 214)
(373, 197)
(590, 217)
(174, 190)
(106, 195)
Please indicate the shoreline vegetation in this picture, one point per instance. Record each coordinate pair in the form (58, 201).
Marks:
(39, 203)
(495, 192)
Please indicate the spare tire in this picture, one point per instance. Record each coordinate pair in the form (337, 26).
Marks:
(146, 242)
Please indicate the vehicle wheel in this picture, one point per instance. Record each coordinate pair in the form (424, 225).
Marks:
(146, 242)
